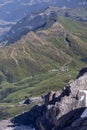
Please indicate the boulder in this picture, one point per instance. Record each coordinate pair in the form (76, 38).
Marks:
(27, 101)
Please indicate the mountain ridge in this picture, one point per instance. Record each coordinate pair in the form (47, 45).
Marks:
(46, 18)
(44, 52)
(41, 60)
(13, 10)
(30, 23)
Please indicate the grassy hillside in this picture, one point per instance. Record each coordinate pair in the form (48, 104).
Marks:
(41, 61)
(78, 28)
(79, 13)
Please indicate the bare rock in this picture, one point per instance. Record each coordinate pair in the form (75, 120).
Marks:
(82, 72)
(61, 110)
(50, 97)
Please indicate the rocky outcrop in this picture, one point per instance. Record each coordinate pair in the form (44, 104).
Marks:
(64, 110)
(82, 72)
(80, 83)
(7, 125)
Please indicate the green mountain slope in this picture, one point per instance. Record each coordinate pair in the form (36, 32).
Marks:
(42, 61)
(43, 52)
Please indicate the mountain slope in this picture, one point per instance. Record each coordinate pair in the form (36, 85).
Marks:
(30, 23)
(40, 61)
(32, 64)
(12, 11)
(45, 17)
(20, 9)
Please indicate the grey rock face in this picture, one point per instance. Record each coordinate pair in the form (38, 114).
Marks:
(82, 72)
(61, 110)
(80, 83)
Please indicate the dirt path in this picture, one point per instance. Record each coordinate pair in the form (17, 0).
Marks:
(12, 56)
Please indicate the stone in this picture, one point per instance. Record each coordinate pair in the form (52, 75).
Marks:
(61, 110)
(50, 97)
(82, 72)
(27, 101)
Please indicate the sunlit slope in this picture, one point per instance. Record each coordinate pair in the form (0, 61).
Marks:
(42, 61)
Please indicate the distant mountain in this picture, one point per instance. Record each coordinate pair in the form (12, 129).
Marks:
(14, 10)
(41, 20)
(70, 3)
(79, 14)
(29, 23)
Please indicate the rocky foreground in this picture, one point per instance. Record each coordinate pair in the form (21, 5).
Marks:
(7, 125)
(66, 110)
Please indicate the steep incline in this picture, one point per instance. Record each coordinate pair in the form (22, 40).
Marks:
(64, 110)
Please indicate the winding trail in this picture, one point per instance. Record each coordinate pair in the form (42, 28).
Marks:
(12, 56)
